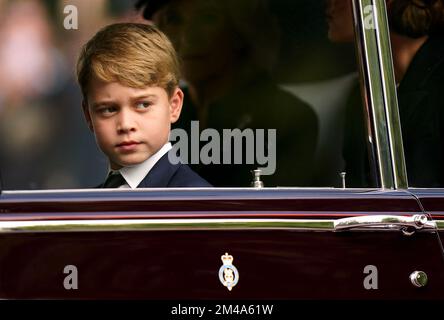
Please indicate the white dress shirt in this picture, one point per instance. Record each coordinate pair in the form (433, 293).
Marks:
(133, 175)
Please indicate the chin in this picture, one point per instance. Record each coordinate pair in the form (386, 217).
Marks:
(131, 160)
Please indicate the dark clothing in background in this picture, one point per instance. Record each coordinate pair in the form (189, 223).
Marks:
(260, 105)
(421, 97)
(421, 109)
(356, 144)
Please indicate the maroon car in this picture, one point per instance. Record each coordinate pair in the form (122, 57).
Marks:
(381, 242)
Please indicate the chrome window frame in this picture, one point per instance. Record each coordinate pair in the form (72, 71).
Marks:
(378, 89)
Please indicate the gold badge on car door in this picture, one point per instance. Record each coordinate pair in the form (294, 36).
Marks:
(228, 274)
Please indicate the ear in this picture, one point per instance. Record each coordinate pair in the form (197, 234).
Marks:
(87, 115)
(176, 102)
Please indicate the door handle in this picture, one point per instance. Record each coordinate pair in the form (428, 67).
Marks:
(407, 224)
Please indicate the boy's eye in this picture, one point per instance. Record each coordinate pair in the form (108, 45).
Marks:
(107, 110)
(143, 105)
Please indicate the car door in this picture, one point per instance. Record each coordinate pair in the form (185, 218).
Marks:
(285, 244)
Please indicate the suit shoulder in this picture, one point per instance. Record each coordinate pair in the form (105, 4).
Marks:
(186, 177)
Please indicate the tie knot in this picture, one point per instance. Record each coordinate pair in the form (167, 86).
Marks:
(114, 180)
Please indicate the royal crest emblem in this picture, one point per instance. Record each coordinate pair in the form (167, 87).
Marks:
(228, 274)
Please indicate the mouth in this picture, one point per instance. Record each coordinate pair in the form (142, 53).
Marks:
(127, 145)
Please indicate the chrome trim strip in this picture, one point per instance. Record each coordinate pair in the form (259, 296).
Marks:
(370, 90)
(440, 224)
(374, 55)
(182, 190)
(390, 96)
(162, 224)
(94, 195)
(172, 224)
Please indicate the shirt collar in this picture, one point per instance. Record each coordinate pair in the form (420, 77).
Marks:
(134, 175)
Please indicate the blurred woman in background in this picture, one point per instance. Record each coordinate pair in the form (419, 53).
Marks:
(228, 50)
(417, 40)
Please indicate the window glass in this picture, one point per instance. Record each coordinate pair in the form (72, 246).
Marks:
(267, 84)
(417, 40)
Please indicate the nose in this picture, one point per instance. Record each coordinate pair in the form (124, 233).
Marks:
(126, 121)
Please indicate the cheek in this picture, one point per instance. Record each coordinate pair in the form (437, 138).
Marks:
(103, 132)
(162, 128)
(157, 128)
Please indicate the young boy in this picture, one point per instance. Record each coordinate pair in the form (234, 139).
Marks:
(129, 75)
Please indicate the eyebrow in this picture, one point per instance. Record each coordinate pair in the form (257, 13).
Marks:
(95, 105)
(144, 96)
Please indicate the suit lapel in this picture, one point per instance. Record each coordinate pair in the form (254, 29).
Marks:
(160, 175)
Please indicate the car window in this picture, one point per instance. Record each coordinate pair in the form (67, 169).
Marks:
(268, 85)
(417, 42)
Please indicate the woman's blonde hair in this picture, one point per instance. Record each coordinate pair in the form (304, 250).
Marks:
(133, 54)
(416, 18)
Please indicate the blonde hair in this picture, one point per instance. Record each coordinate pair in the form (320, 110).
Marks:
(416, 18)
(133, 54)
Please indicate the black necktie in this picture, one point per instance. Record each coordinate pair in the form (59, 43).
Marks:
(113, 181)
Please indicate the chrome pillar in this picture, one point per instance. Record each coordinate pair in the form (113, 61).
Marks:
(379, 92)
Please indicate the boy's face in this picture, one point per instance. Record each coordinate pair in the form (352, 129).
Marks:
(130, 124)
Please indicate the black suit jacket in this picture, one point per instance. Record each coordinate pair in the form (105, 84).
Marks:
(421, 109)
(164, 174)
